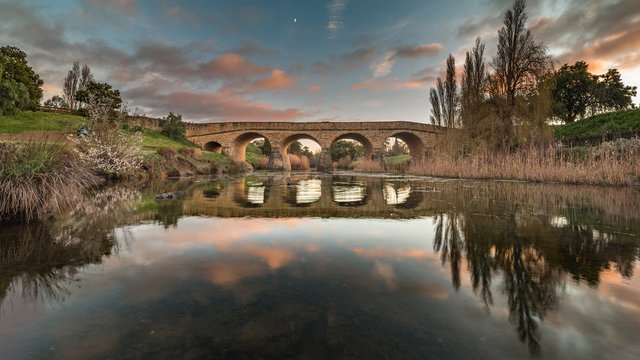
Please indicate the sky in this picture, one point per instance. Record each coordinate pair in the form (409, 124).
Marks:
(287, 60)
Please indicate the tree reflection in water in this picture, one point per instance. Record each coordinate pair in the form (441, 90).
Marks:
(531, 251)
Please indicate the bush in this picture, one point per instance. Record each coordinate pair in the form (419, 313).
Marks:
(344, 163)
(298, 162)
(190, 152)
(173, 126)
(110, 151)
(38, 178)
(262, 163)
(167, 152)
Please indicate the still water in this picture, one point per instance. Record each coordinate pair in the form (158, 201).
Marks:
(342, 266)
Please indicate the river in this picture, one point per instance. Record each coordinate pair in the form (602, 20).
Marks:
(327, 266)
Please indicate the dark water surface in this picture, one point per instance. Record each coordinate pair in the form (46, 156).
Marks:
(344, 266)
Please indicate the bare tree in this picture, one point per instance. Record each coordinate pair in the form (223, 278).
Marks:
(436, 110)
(474, 79)
(518, 65)
(76, 80)
(450, 93)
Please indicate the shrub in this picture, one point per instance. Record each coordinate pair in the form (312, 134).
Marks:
(262, 163)
(298, 162)
(368, 165)
(190, 152)
(110, 151)
(167, 152)
(344, 163)
(173, 126)
(38, 178)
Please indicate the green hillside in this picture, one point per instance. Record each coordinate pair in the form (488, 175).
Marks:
(617, 122)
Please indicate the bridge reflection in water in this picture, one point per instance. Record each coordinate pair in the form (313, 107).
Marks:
(309, 195)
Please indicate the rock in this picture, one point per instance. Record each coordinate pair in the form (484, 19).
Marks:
(168, 196)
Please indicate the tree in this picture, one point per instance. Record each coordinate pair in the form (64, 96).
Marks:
(56, 102)
(76, 80)
(13, 95)
(612, 94)
(342, 148)
(436, 113)
(573, 91)
(295, 148)
(450, 93)
(103, 96)
(173, 126)
(473, 86)
(398, 148)
(519, 64)
(15, 69)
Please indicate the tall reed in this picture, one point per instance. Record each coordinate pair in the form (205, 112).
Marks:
(38, 178)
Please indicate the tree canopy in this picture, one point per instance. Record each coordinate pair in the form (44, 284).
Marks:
(17, 76)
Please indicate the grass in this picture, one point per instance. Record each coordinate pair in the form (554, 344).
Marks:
(617, 122)
(156, 138)
(252, 154)
(396, 159)
(38, 177)
(40, 121)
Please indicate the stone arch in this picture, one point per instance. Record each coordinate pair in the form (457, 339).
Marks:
(415, 144)
(368, 145)
(284, 146)
(213, 146)
(239, 145)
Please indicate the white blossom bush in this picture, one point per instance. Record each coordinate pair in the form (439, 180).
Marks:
(108, 149)
(618, 148)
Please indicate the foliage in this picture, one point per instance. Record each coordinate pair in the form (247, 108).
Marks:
(444, 98)
(37, 178)
(252, 153)
(13, 97)
(577, 92)
(76, 80)
(612, 94)
(622, 121)
(295, 148)
(110, 149)
(173, 126)
(473, 87)
(101, 96)
(342, 148)
(572, 94)
(518, 67)
(399, 147)
(56, 102)
(15, 68)
(264, 145)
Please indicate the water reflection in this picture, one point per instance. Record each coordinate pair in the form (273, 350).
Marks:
(396, 194)
(349, 193)
(498, 270)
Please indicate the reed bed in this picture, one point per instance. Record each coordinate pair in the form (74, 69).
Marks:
(614, 163)
(299, 162)
(367, 165)
(38, 178)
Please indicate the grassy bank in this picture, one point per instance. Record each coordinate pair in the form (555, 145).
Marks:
(28, 121)
(618, 122)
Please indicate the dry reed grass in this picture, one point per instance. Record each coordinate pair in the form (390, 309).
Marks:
(552, 164)
(262, 163)
(38, 178)
(299, 162)
(368, 165)
(167, 152)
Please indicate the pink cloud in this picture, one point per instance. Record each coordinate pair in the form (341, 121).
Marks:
(278, 80)
(233, 66)
(394, 84)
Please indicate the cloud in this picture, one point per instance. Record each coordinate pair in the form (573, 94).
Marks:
(336, 8)
(178, 14)
(345, 62)
(278, 80)
(251, 47)
(384, 67)
(314, 88)
(389, 84)
(122, 6)
(232, 66)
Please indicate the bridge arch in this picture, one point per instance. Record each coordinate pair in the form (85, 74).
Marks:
(213, 146)
(239, 145)
(415, 144)
(286, 142)
(368, 145)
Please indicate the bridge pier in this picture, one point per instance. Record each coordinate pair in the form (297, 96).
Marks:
(325, 164)
(276, 160)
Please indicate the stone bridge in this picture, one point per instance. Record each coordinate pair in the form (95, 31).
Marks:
(231, 138)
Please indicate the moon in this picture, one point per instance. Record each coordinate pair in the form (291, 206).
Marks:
(295, 20)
